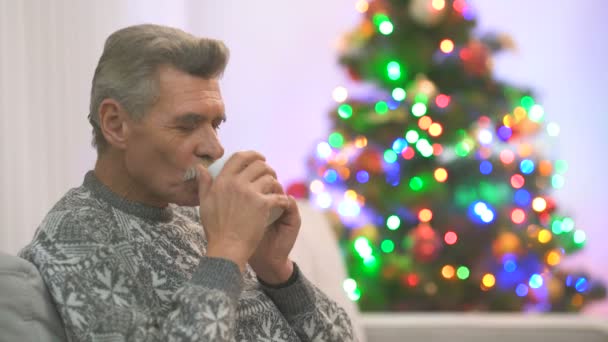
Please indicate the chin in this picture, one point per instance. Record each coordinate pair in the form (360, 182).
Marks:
(188, 197)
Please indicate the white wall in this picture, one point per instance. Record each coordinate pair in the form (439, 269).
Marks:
(277, 89)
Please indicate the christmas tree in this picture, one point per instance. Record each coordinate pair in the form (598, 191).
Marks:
(434, 174)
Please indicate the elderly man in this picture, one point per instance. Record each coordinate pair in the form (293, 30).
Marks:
(127, 256)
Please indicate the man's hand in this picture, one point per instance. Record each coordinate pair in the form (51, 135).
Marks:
(235, 207)
(271, 259)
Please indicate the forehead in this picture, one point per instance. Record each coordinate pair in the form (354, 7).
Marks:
(182, 92)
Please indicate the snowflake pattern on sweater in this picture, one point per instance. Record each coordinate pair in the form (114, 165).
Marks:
(122, 271)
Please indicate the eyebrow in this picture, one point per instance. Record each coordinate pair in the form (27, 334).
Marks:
(196, 118)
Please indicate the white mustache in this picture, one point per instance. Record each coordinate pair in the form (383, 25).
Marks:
(192, 173)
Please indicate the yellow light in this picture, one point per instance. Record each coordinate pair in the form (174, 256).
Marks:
(340, 94)
(441, 175)
(425, 215)
(519, 113)
(344, 173)
(316, 186)
(350, 195)
(544, 236)
(438, 4)
(361, 142)
(507, 120)
(448, 271)
(539, 204)
(553, 258)
(446, 46)
(435, 130)
(362, 6)
(488, 280)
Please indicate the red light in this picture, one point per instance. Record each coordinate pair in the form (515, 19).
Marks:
(518, 216)
(408, 153)
(442, 100)
(450, 238)
(459, 5)
(517, 181)
(437, 149)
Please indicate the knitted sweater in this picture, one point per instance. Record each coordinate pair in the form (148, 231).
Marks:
(122, 271)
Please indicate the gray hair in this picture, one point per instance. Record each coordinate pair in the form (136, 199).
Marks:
(127, 69)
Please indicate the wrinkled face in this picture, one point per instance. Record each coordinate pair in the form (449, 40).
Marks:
(180, 130)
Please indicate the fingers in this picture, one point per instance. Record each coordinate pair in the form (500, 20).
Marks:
(240, 160)
(257, 169)
(204, 180)
(267, 184)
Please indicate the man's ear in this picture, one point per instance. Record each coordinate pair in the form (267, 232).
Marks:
(114, 123)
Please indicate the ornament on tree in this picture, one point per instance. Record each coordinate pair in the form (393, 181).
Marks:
(369, 160)
(476, 58)
(298, 190)
(422, 85)
(426, 243)
(424, 13)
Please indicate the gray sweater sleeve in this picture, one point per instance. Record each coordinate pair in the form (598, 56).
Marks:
(309, 311)
(98, 296)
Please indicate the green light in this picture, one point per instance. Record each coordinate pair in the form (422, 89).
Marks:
(393, 222)
(527, 102)
(561, 166)
(579, 237)
(386, 28)
(390, 156)
(363, 247)
(336, 140)
(567, 224)
(421, 97)
(370, 262)
(412, 136)
(419, 109)
(379, 18)
(393, 70)
(557, 181)
(355, 295)
(399, 94)
(424, 147)
(345, 111)
(387, 246)
(463, 272)
(463, 149)
(416, 183)
(536, 113)
(381, 107)
(556, 227)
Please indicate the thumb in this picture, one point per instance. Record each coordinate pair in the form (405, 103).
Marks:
(204, 180)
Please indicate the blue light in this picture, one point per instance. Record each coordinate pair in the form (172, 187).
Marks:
(581, 285)
(485, 167)
(468, 13)
(510, 266)
(504, 133)
(521, 290)
(536, 281)
(569, 281)
(362, 176)
(522, 197)
(330, 176)
(526, 166)
(481, 212)
(392, 104)
(399, 145)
